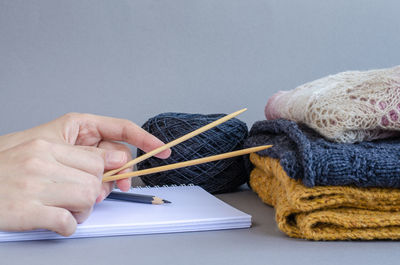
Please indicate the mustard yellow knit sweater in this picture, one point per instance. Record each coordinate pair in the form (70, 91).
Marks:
(328, 212)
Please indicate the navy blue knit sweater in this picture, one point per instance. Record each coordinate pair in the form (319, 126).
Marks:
(305, 155)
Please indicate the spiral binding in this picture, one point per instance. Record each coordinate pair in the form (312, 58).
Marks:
(164, 186)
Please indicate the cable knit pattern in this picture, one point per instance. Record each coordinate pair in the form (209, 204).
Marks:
(326, 213)
(346, 107)
(307, 156)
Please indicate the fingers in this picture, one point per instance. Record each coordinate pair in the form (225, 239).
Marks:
(123, 184)
(112, 129)
(89, 159)
(43, 182)
(71, 189)
(64, 176)
(80, 217)
(55, 219)
(79, 160)
(115, 148)
(58, 183)
(76, 196)
(32, 215)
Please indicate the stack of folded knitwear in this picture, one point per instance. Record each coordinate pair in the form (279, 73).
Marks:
(333, 172)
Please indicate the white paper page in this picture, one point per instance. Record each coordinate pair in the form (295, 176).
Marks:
(192, 209)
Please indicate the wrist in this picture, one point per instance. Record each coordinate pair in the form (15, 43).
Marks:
(12, 139)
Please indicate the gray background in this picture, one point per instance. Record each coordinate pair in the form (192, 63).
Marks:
(135, 59)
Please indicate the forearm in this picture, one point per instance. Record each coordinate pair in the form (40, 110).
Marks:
(16, 138)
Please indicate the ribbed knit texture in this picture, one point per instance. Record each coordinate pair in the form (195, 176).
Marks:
(326, 213)
(307, 156)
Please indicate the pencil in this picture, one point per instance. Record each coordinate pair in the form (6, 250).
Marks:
(133, 197)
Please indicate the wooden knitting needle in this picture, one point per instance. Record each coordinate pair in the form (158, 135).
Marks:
(174, 142)
(186, 163)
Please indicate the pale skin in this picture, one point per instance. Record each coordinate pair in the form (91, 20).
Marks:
(51, 175)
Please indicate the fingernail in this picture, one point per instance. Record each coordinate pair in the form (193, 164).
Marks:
(164, 154)
(115, 157)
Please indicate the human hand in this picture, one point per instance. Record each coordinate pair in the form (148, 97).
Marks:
(51, 174)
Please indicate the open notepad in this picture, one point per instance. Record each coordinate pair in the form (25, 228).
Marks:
(192, 209)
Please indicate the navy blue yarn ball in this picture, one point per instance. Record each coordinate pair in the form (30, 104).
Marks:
(215, 177)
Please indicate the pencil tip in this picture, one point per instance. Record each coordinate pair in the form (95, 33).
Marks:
(165, 201)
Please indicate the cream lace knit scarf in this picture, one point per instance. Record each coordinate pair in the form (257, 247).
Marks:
(347, 107)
